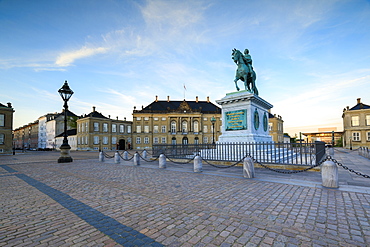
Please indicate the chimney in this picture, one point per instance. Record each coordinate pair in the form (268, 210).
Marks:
(196, 99)
(156, 98)
(93, 108)
(358, 100)
(207, 99)
(9, 105)
(124, 118)
(347, 107)
(117, 117)
(109, 116)
(168, 98)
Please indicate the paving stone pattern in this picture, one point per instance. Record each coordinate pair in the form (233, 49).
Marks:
(83, 203)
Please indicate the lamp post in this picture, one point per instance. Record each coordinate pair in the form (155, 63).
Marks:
(66, 93)
(213, 121)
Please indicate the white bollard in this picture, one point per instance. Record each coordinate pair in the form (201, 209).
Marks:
(136, 159)
(198, 166)
(162, 161)
(144, 154)
(117, 159)
(101, 157)
(329, 174)
(248, 168)
(125, 155)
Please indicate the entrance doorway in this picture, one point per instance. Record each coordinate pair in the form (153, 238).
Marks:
(121, 144)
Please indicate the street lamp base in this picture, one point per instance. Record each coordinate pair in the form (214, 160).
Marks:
(65, 157)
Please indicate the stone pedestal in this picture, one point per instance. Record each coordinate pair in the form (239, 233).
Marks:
(65, 157)
(245, 118)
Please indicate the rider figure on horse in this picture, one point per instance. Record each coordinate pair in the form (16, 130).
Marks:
(248, 61)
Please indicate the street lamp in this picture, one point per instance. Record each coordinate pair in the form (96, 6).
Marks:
(213, 121)
(66, 93)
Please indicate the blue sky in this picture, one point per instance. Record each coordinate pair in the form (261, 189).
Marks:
(312, 58)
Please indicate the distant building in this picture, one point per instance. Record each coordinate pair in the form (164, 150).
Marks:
(327, 135)
(6, 127)
(97, 132)
(176, 122)
(72, 139)
(26, 137)
(356, 125)
(276, 127)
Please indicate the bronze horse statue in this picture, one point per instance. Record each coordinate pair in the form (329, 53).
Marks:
(244, 71)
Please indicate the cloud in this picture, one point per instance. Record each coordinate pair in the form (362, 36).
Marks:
(67, 58)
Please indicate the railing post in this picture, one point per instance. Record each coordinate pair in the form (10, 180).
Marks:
(331, 151)
(117, 159)
(125, 155)
(248, 168)
(329, 174)
(162, 161)
(136, 159)
(101, 157)
(144, 154)
(198, 167)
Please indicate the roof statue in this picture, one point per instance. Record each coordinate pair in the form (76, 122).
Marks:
(245, 70)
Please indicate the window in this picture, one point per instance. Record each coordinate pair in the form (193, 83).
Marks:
(138, 140)
(205, 119)
(129, 129)
(105, 127)
(146, 118)
(156, 140)
(184, 127)
(163, 119)
(83, 128)
(121, 128)
(173, 141)
(96, 126)
(138, 129)
(146, 140)
(79, 140)
(196, 140)
(355, 120)
(173, 127)
(163, 139)
(82, 141)
(368, 136)
(205, 139)
(138, 118)
(86, 142)
(96, 139)
(356, 136)
(205, 128)
(155, 119)
(155, 129)
(163, 128)
(129, 140)
(2, 120)
(367, 119)
(114, 140)
(86, 127)
(196, 126)
(2, 137)
(146, 129)
(114, 127)
(105, 140)
(270, 126)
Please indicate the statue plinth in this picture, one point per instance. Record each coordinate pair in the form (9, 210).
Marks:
(245, 118)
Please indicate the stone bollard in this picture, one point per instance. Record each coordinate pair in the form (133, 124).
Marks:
(248, 168)
(162, 161)
(144, 155)
(329, 174)
(136, 159)
(101, 157)
(117, 159)
(198, 166)
(125, 155)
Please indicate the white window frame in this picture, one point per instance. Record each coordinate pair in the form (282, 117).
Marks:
(121, 128)
(205, 139)
(2, 120)
(356, 136)
(129, 129)
(2, 138)
(196, 126)
(146, 140)
(138, 128)
(155, 140)
(114, 128)
(146, 128)
(105, 127)
(355, 120)
(155, 129)
(367, 120)
(138, 140)
(173, 127)
(205, 128)
(163, 140)
(96, 126)
(114, 140)
(96, 140)
(105, 140)
(163, 128)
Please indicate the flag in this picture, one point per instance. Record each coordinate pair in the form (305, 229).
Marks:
(184, 87)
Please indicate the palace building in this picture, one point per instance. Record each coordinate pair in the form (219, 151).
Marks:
(6, 127)
(356, 125)
(176, 122)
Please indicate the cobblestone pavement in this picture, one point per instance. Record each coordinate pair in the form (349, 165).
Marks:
(90, 203)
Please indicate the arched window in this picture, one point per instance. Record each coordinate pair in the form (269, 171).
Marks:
(184, 126)
(173, 141)
(196, 126)
(173, 127)
(196, 140)
(185, 141)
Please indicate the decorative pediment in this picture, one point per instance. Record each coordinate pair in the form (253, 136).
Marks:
(184, 106)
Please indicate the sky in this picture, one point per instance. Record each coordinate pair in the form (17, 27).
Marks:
(312, 58)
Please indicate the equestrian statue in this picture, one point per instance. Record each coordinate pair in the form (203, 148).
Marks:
(245, 70)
